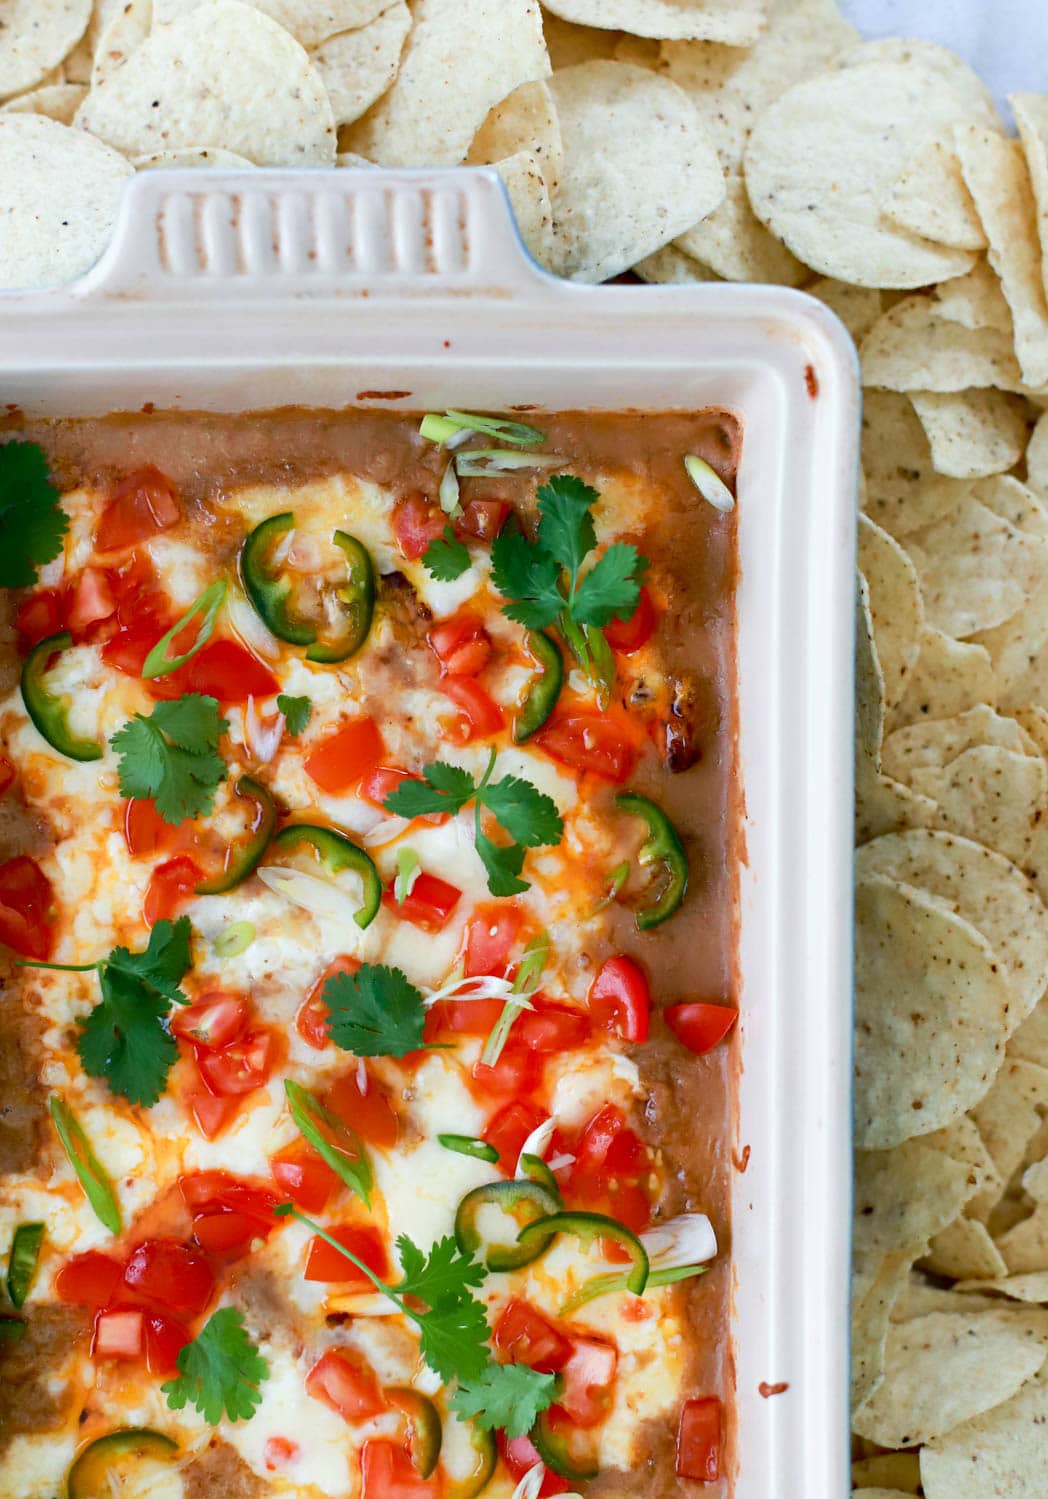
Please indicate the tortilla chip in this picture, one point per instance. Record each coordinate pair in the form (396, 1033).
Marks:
(309, 21)
(963, 1142)
(34, 37)
(923, 976)
(995, 797)
(905, 1196)
(1014, 502)
(737, 246)
(1031, 1039)
(446, 87)
(735, 22)
(1037, 457)
(934, 744)
(526, 120)
(1002, 1452)
(570, 44)
(929, 198)
(975, 300)
(731, 87)
(913, 346)
(858, 307)
(61, 192)
(950, 677)
(638, 168)
(896, 607)
(919, 1298)
(224, 76)
(903, 491)
(526, 187)
(822, 159)
(1029, 1288)
(975, 568)
(964, 1250)
(995, 171)
(358, 66)
(58, 101)
(1031, 116)
(125, 32)
(670, 266)
(644, 51)
(876, 1287)
(890, 1472)
(984, 889)
(972, 433)
(191, 156)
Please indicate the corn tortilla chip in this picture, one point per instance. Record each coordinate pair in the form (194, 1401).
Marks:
(1037, 457)
(904, 1196)
(950, 677)
(964, 1249)
(1031, 116)
(309, 21)
(993, 796)
(913, 347)
(570, 44)
(126, 31)
(903, 491)
(191, 156)
(962, 1141)
(932, 745)
(1014, 502)
(891, 1472)
(858, 307)
(896, 607)
(972, 433)
(930, 198)
(734, 22)
(876, 1286)
(644, 51)
(358, 66)
(928, 991)
(60, 196)
(526, 120)
(529, 200)
(1032, 1287)
(974, 300)
(1019, 652)
(737, 246)
(58, 101)
(445, 89)
(975, 568)
(1002, 1452)
(35, 35)
(671, 266)
(638, 167)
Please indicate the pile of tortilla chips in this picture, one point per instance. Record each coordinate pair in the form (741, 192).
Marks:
(746, 140)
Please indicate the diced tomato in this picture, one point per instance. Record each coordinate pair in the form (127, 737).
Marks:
(347, 1385)
(387, 1472)
(226, 1234)
(699, 1440)
(143, 504)
(344, 756)
(229, 1215)
(588, 1377)
(463, 1017)
(619, 999)
(592, 742)
(700, 1027)
(524, 1336)
(203, 1189)
(172, 885)
(461, 644)
(482, 519)
(241, 1067)
(304, 1176)
(145, 831)
(429, 904)
(520, 1456)
(382, 780)
(170, 1275)
(26, 908)
(164, 1338)
(223, 669)
(119, 1333)
(91, 600)
(369, 1112)
(490, 937)
(138, 634)
(610, 1170)
(552, 1028)
(7, 774)
(516, 1073)
(89, 1279)
(213, 1020)
(40, 615)
(279, 1452)
(312, 1018)
(509, 1127)
(598, 1137)
(480, 717)
(416, 522)
(211, 1113)
(323, 1262)
(628, 635)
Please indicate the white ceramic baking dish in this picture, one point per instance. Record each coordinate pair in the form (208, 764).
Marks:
(235, 292)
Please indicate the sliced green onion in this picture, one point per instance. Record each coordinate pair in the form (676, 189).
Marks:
(606, 1285)
(158, 663)
(515, 433)
(23, 1260)
(448, 493)
(709, 483)
(409, 867)
(235, 939)
(616, 881)
(477, 463)
(332, 1139)
(438, 429)
(469, 1145)
(530, 970)
(96, 1184)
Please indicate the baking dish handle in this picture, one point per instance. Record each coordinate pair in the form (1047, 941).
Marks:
(238, 236)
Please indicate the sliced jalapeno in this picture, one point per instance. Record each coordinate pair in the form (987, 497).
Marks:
(336, 853)
(544, 687)
(425, 1435)
(242, 858)
(12, 1329)
(663, 848)
(22, 1260)
(91, 1173)
(588, 1228)
(332, 623)
(49, 712)
(560, 1453)
(514, 1205)
(333, 1140)
(483, 1453)
(535, 1169)
(120, 1460)
(469, 1145)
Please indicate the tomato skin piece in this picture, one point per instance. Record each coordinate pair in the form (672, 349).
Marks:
(40, 615)
(227, 1235)
(164, 1339)
(552, 1028)
(508, 1128)
(324, 1263)
(387, 1472)
(301, 1174)
(620, 999)
(610, 1169)
(480, 716)
(223, 669)
(588, 1377)
(91, 600)
(463, 1017)
(143, 504)
(520, 1456)
(119, 1332)
(482, 520)
(416, 522)
(491, 935)
(589, 742)
(517, 1072)
(461, 644)
(700, 1027)
(629, 635)
(171, 1275)
(524, 1336)
(89, 1279)
(343, 757)
(699, 1439)
(214, 1020)
(239, 1068)
(429, 905)
(172, 885)
(26, 904)
(347, 1385)
(210, 1113)
(370, 1114)
(145, 831)
(312, 1017)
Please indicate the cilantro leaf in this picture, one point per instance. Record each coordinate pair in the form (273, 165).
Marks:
(528, 815)
(296, 711)
(165, 962)
(611, 588)
(31, 519)
(505, 1397)
(454, 1339)
(219, 1371)
(172, 756)
(566, 528)
(441, 1276)
(528, 575)
(446, 558)
(375, 1012)
(503, 863)
(447, 788)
